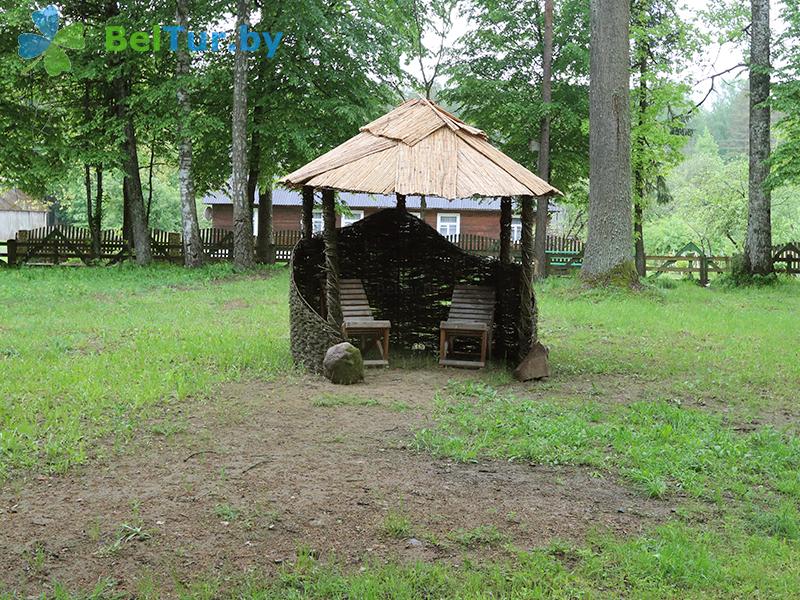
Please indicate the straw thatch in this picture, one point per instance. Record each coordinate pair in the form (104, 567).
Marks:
(419, 148)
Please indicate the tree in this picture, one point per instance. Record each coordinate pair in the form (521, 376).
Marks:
(785, 160)
(608, 252)
(242, 211)
(192, 244)
(496, 75)
(542, 204)
(663, 46)
(758, 247)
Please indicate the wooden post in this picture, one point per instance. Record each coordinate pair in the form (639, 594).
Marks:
(526, 324)
(308, 212)
(703, 270)
(11, 252)
(505, 230)
(175, 248)
(331, 260)
(401, 201)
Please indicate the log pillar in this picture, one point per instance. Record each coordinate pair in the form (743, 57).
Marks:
(401, 201)
(330, 236)
(308, 212)
(423, 206)
(526, 325)
(505, 230)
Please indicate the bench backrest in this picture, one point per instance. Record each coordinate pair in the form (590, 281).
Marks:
(355, 304)
(472, 303)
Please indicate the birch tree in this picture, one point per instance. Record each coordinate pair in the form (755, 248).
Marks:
(192, 245)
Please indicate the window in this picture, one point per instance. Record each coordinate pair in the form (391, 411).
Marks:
(355, 215)
(317, 222)
(516, 229)
(415, 213)
(448, 224)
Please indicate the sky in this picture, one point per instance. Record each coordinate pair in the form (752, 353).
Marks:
(714, 59)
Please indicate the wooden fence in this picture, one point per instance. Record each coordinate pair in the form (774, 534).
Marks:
(73, 245)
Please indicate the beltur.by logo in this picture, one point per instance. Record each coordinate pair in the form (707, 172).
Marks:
(50, 45)
(170, 36)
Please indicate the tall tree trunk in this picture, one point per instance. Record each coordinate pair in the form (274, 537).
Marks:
(758, 248)
(254, 162)
(527, 318)
(265, 248)
(330, 236)
(87, 184)
(132, 183)
(308, 212)
(192, 244)
(505, 230)
(639, 188)
(151, 164)
(540, 239)
(96, 224)
(242, 214)
(609, 253)
(127, 235)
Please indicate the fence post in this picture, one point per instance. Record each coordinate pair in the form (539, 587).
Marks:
(11, 252)
(174, 247)
(703, 270)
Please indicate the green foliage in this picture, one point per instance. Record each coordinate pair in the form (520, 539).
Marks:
(96, 351)
(496, 75)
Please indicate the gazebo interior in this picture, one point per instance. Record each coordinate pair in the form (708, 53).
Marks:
(408, 269)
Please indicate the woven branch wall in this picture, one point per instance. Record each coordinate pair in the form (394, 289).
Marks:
(409, 272)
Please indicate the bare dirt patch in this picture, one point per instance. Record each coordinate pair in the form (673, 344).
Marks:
(263, 468)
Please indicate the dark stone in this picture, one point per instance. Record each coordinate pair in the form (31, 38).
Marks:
(343, 364)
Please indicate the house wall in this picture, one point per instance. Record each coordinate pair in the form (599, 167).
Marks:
(12, 221)
(485, 223)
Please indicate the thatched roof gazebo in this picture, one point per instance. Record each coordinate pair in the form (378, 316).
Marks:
(417, 148)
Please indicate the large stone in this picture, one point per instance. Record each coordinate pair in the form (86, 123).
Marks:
(534, 365)
(343, 364)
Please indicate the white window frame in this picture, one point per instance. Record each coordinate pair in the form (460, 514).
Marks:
(416, 213)
(457, 224)
(355, 216)
(317, 221)
(516, 229)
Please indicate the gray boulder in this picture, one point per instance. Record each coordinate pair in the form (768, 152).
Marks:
(343, 364)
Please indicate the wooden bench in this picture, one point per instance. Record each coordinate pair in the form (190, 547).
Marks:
(471, 315)
(360, 322)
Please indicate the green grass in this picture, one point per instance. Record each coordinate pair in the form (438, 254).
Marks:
(88, 353)
(737, 346)
(648, 387)
(660, 447)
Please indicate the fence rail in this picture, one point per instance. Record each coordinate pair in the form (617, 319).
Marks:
(65, 244)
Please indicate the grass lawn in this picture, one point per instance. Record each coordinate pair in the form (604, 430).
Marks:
(89, 353)
(685, 394)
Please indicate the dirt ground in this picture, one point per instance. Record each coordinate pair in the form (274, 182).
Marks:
(250, 475)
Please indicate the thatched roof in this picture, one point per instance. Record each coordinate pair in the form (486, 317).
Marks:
(419, 148)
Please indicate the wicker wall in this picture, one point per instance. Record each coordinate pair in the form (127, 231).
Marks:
(409, 271)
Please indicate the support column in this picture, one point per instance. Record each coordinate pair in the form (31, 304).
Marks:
(330, 236)
(505, 230)
(401, 201)
(526, 324)
(308, 212)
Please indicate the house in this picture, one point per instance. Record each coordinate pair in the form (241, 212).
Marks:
(18, 211)
(448, 217)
